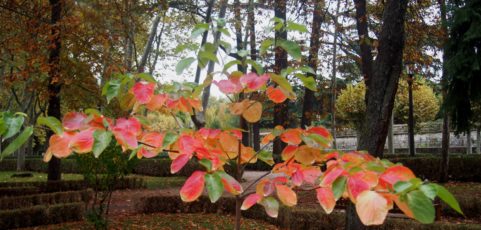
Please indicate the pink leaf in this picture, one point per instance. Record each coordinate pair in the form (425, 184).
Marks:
(254, 82)
(179, 163)
(83, 141)
(356, 185)
(193, 187)
(73, 121)
(228, 86)
(372, 208)
(325, 196)
(250, 200)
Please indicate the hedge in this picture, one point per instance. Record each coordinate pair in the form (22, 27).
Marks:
(27, 188)
(289, 218)
(41, 214)
(45, 199)
(463, 167)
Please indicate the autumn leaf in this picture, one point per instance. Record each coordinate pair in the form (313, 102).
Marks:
(193, 187)
(371, 207)
(286, 195)
(325, 196)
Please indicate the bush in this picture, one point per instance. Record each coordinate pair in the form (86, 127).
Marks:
(40, 215)
(45, 199)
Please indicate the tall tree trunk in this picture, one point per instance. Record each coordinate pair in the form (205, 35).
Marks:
(315, 43)
(54, 85)
(381, 82)
(445, 130)
(150, 42)
(210, 67)
(281, 113)
(251, 23)
(384, 81)
(478, 140)
(334, 78)
(204, 37)
(240, 46)
(469, 146)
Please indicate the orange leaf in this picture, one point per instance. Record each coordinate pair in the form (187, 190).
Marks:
(276, 95)
(193, 187)
(83, 141)
(286, 195)
(356, 185)
(231, 185)
(395, 174)
(59, 145)
(372, 208)
(292, 136)
(288, 152)
(253, 112)
(325, 196)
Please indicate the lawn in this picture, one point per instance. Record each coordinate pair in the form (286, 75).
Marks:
(6, 176)
(169, 221)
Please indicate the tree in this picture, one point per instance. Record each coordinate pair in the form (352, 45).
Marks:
(464, 83)
(349, 175)
(351, 107)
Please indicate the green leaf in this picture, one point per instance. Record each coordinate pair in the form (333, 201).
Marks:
(91, 111)
(53, 123)
(307, 69)
(265, 45)
(285, 72)
(266, 156)
(448, 198)
(14, 124)
(256, 65)
(292, 26)
(281, 81)
(199, 29)
(204, 55)
(374, 166)
(17, 142)
(429, 190)
(169, 139)
(146, 77)
(214, 185)
(242, 53)
(308, 82)
(111, 89)
(231, 63)
(183, 64)
(226, 46)
(421, 206)
(101, 141)
(3, 126)
(338, 186)
(206, 163)
(291, 48)
(402, 186)
(271, 206)
(224, 31)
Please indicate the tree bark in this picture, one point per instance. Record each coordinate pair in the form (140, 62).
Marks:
(381, 82)
(469, 146)
(444, 80)
(148, 45)
(334, 78)
(54, 85)
(384, 81)
(253, 52)
(210, 67)
(315, 43)
(281, 113)
(478, 140)
(204, 37)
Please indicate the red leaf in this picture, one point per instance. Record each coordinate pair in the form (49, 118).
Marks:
(229, 86)
(326, 198)
(59, 145)
(250, 200)
(157, 101)
(330, 176)
(292, 136)
(193, 187)
(143, 91)
(253, 81)
(395, 174)
(179, 162)
(231, 185)
(356, 185)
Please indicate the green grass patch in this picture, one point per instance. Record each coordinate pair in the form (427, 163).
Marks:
(6, 176)
(162, 182)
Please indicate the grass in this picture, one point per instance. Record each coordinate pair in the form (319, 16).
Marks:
(163, 182)
(6, 176)
(166, 221)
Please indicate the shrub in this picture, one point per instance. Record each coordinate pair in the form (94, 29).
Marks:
(45, 199)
